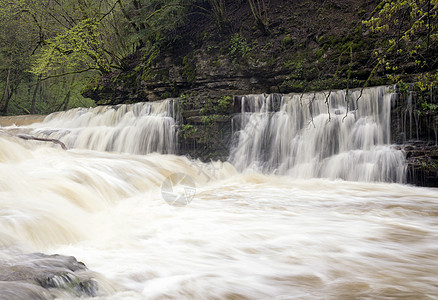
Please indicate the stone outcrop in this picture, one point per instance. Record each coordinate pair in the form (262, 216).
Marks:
(308, 46)
(422, 162)
(206, 135)
(415, 130)
(40, 276)
(300, 51)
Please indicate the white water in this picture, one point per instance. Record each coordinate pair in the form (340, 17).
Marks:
(242, 236)
(300, 136)
(136, 128)
(246, 236)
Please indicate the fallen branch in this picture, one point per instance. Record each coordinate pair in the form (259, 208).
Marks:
(29, 137)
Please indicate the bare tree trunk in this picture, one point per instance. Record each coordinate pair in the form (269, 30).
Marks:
(32, 107)
(428, 26)
(67, 100)
(5, 92)
(64, 103)
(259, 11)
(5, 107)
(218, 10)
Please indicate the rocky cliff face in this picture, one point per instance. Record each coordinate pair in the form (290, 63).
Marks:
(422, 162)
(206, 133)
(307, 45)
(415, 129)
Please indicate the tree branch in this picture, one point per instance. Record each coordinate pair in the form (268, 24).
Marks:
(29, 137)
(68, 73)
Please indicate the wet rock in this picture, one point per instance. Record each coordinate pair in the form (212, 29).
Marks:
(191, 113)
(22, 290)
(422, 164)
(40, 276)
(415, 132)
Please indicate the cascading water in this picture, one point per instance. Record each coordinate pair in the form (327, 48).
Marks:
(243, 235)
(137, 128)
(327, 134)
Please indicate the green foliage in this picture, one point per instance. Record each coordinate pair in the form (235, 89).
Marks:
(156, 21)
(427, 81)
(224, 105)
(150, 54)
(403, 87)
(411, 30)
(288, 86)
(221, 106)
(187, 131)
(210, 119)
(189, 69)
(287, 41)
(47, 41)
(431, 107)
(208, 107)
(239, 49)
(78, 48)
(15, 51)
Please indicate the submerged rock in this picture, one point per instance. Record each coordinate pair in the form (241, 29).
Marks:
(40, 276)
(22, 290)
(422, 162)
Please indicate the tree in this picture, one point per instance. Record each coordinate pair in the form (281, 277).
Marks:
(52, 39)
(78, 49)
(411, 28)
(219, 14)
(259, 11)
(16, 46)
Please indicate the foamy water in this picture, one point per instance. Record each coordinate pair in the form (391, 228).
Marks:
(337, 135)
(242, 236)
(245, 233)
(139, 128)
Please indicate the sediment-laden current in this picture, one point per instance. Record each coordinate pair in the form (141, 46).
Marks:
(244, 234)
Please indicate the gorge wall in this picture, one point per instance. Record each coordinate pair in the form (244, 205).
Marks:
(306, 46)
(415, 130)
(206, 131)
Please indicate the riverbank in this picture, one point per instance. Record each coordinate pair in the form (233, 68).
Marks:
(20, 120)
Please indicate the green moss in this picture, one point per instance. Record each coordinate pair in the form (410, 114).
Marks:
(292, 86)
(189, 69)
(320, 53)
(239, 49)
(187, 131)
(224, 105)
(378, 81)
(287, 41)
(216, 63)
(90, 88)
(165, 95)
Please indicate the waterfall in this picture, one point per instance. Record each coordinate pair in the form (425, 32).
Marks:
(132, 128)
(241, 235)
(335, 134)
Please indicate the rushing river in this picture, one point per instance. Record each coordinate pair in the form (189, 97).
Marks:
(244, 234)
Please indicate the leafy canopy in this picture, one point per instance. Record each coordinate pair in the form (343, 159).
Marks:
(411, 27)
(79, 47)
